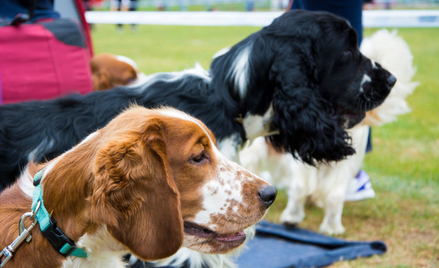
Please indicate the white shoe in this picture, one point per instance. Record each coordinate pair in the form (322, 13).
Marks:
(359, 188)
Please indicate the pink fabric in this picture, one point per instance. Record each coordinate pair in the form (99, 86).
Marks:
(35, 65)
(81, 13)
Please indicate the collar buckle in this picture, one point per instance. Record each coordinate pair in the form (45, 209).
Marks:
(59, 240)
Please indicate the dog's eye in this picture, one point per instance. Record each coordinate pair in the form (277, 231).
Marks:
(199, 158)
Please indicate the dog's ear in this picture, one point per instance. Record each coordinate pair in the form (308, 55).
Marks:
(101, 80)
(135, 194)
(308, 126)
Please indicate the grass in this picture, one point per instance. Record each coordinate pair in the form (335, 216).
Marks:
(167, 48)
(404, 164)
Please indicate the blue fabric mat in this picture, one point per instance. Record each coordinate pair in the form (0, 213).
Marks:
(277, 247)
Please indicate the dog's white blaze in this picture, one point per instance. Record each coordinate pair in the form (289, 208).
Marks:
(181, 115)
(240, 69)
(366, 79)
(374, 66)
(184, 116)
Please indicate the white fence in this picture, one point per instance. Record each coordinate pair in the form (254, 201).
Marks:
(371, 18)
(400, 18)
(263, 4)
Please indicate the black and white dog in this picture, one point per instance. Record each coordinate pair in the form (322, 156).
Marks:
(300, 80)
(302, 77)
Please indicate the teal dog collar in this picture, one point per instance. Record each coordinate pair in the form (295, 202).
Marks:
(59, 240)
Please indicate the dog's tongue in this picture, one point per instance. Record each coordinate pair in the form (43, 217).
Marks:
(231, 237)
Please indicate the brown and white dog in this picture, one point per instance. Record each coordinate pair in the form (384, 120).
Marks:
(326, 185)
(147, 183)
(109, 71)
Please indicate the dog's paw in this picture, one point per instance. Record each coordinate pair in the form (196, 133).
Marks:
(288, 218)
(331, 230)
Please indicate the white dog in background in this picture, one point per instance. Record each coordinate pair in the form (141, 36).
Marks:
(326, 185)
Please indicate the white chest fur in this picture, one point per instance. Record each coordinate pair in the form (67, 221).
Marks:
(102, 249)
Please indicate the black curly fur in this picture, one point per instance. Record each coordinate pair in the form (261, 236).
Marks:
(319, 79)
(307, 123)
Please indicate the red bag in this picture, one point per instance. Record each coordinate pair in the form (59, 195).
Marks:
(43, 60)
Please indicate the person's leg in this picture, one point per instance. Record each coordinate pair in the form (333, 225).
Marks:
(297, 4)
(133, 7)
(116, 6)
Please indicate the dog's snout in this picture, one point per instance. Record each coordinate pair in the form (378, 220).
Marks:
(391, 81)
(268, 195)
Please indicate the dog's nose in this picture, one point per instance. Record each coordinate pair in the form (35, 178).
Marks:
(391, 81)
(268, 195)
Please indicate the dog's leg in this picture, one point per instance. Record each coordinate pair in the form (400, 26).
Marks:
(332, 186)
(301, 183)
(333, 207)
(332, 191)
(294, 213)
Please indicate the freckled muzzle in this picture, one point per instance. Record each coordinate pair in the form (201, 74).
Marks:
(233, 201)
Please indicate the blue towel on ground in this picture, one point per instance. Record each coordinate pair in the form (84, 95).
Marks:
(276, 246)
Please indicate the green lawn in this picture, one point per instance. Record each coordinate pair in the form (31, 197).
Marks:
(404, 164)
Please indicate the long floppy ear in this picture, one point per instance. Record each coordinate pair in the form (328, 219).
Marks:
(101, 80)
(307, 123)
(136, 196)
